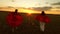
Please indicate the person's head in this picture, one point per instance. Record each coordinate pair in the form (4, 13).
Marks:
(16, 10)
(43, 13)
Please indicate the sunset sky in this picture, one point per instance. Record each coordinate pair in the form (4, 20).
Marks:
(39, 4)
(29, 3)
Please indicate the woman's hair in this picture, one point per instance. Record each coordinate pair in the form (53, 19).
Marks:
(43, 13)
(16, 10)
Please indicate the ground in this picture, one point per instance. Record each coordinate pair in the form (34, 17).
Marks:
(30, 25)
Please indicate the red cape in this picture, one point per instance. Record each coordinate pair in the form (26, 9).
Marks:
(14, 22)
(42, 18)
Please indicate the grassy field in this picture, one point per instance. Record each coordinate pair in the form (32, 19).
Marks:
(30, 25)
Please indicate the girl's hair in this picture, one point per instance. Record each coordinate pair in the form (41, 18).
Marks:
(43, 13)
(15, 11)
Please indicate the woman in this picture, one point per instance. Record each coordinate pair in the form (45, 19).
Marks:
(14, 19)
(43, 19)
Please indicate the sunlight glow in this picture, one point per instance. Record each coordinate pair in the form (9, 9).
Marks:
(28, 11)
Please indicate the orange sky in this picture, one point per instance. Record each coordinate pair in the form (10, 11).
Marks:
(22, 10)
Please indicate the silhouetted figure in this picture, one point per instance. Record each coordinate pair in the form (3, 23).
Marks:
(43, 19)
(14, 19)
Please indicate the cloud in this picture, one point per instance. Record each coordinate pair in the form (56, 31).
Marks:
(42, 8)
(46, 8)
(58, 7)
(58, 3)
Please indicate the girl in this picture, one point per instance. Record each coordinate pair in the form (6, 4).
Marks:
(43, 19)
